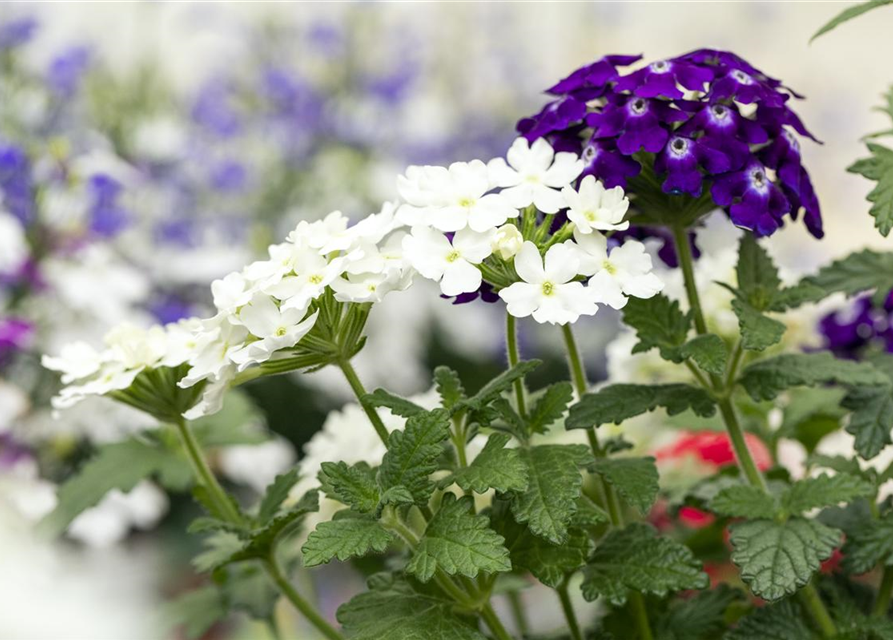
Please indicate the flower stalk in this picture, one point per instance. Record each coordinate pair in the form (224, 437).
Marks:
(511, 345)
(360, 392)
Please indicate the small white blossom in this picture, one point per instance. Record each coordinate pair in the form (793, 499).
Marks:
(231, 292)
(453, 265)
(593, 207)
(507, 241)
(76, 361)
(454, 198)
(548, 291)
(276, 328)
(626, 271)
(312, 274)
(13, 243)
(535, 174)
(110, 521)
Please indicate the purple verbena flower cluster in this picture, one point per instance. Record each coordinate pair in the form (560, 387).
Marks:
(704, 120)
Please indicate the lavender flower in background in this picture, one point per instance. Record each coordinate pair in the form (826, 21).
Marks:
(861, 326)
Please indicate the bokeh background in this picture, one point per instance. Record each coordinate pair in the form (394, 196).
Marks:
(148, 148)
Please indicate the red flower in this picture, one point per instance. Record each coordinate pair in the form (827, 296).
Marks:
(715, 448)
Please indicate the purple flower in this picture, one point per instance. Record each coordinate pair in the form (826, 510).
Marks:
(605, 162)
(229, 176)
(12, 452)
(850, 331)
(66, 70)
(215, 109)
(680, 161)
(107, 216)
(16, 187)
(16, 32)
(636, 123)
(170, 308)
(753, 200)
(556, 116)
(591, 81)
(485, 293)
(15, 335)
(662, 78)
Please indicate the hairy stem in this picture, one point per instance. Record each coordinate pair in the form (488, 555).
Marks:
(205, 477)
(511, 346)
(360, 392)
(518, 613)
(808, 595)
(578, 375)
(493, 622)
(568, 608)
(882, 604)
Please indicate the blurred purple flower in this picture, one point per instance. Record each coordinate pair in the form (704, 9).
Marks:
(850, 331)
(66, 70)
(17, 32)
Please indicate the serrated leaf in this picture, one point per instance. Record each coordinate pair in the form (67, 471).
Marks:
(700, 617)
(457, 541)
(708, 351)
(196, 611)
(659, 323)
(550, 407)
(122, 466)
(394, 496)
(247, 587)
(858, 272)
(448, 386)
(276, 494)
(495, 467)
(879, 168)
(412, 454)
(871, 419)
(635, 479)
(636, 558)
(344, 538)
(618, 402)
(394, 610)
(397, 405)
(744, 501)
(780, 621)
(589, 514)
(765, 379)
(824, 491)
(757, 276)
(868, 544)
(777, 558)
(554, 484)
(758, 332)
(354, 486)
(219, 548)
(500, 384)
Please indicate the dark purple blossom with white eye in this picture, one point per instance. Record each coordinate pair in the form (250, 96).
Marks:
(848, 332)
(753, 200)
(686, 114)
(602, 160)
(484, 292)
(662, 78)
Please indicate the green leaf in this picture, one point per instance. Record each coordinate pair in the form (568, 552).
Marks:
(550, 563)
(457, 541)
(248, 588)
(658, 322)
(758, 332)
(699, 618)
(589, 514)
(777, 558)
(394, 496)
(636, 479)
(617, 402)
(824, 491)
(122, 466)
(209, 504)
(554, 484)
(744, 501)
(196, 611)
(495, 467)
(636, 558)
(848, 14)
(868, 545)
(879, 168)
(354, 486)
(412, 454)
(871, 419)
(708, 351)
(276, 494)
(397, 405)
(758, 280)
(550, 407)
(346, 537)
(501, 383)
(765, 379)
(858, 272)
(448, 386)
(219, 549)
(394, 610)
(780, 621)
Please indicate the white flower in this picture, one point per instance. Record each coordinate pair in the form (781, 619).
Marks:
(365, 287)
(326, 235)
(593, 207)
(454, 198)
(135, 347)
(277, 328)
(215, 342)
(625, 272)
(507, 241)
(534, 174)
(548, 291)
(76, 361)
(111, 520)
(313, 273)
(231, 292)
(432, 255)
(257, 465)
(13, 243)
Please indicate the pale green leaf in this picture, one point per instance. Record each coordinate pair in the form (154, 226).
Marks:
(344, 538)
(276, 494)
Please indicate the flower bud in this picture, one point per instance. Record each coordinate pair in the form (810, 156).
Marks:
(507, 241)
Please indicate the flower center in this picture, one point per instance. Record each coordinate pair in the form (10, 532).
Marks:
(758, 179)
(466, 202)
(281, 331)
(609, 267)
(548, 288)
(532, 178)
(659, 67)
(742, 77)
(316, 278)
(590, 152)
(453, 255)
(719, 111)
(589, 215)
(638, 106)
(679, 146)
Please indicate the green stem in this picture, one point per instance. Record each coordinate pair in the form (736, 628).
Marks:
(882, 604)
(205, 476)
(640, 613)
(360, 392)
(575, 363)
(518, 613)
(808, 595)
(567, 606)
(494, 623)
(459, 440)
(300, 604)
(511, 345)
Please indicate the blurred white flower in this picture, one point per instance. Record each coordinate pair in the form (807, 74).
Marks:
(535, 174)
(112, 519)
(257, 465)
(548, 291)
(13, 243)
(592, 207)
(453, 265)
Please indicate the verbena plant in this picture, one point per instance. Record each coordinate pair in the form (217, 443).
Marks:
(552, 232)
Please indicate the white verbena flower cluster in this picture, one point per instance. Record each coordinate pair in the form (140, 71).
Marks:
(457, 218)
